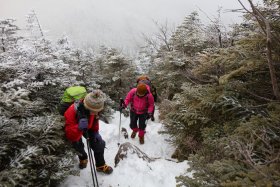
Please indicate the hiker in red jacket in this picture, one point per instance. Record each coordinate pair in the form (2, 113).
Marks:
(141, 108)
(82, 119)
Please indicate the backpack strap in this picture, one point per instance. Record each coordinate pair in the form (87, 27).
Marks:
(76, 104)
(81, 111)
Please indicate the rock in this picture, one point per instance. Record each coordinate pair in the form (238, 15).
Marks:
(126, 148)
(124, 133)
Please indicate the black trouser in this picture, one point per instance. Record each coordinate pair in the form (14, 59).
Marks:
(97, 147)
(134, 119)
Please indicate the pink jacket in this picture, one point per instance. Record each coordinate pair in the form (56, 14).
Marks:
(138, 104)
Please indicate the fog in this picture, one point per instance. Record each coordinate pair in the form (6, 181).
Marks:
(114, 23)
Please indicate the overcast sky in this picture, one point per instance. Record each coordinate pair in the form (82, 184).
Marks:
(116, 23)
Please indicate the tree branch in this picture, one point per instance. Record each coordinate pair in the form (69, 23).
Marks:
(267, 31)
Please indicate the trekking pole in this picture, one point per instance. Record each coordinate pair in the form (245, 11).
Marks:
(121, 102)
(91, 163)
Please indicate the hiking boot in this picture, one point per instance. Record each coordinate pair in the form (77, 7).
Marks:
(105, 169)
(141, 140)
(133, 134)
(83, 164)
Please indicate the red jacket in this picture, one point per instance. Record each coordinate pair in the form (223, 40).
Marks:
(140, 105)
(72, 132)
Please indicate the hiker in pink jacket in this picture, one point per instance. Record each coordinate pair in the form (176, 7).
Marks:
(141, 108)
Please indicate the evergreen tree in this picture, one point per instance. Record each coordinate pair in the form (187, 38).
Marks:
(8, 35)
(189, 37)
(33, 25)
(114, 72)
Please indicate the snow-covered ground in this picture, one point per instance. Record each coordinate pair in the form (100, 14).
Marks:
(133, 171)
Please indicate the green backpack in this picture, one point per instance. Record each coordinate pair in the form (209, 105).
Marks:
(71, 95)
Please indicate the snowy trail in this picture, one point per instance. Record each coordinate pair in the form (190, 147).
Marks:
(133, 171)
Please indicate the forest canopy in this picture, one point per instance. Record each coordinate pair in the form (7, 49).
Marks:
(218, 97)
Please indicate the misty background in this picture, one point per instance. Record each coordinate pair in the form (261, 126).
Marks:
(113, 23)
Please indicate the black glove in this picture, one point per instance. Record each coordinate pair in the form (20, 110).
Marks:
(122, 106)
(149, 116)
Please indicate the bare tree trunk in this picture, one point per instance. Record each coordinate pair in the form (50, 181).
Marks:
(3, 48)
(267, 31)
(270, 63)
(163, 35)
(220, 38)
(217, 26)
(39, 25)
(2, 40)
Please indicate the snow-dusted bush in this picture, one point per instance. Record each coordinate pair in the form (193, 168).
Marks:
(220, 107)
(33, 76)
(33, 152)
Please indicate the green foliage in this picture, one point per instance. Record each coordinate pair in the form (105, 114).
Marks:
(198, 109)
(222, 116)
(170, 72)
(250, 155)
(172, 68)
